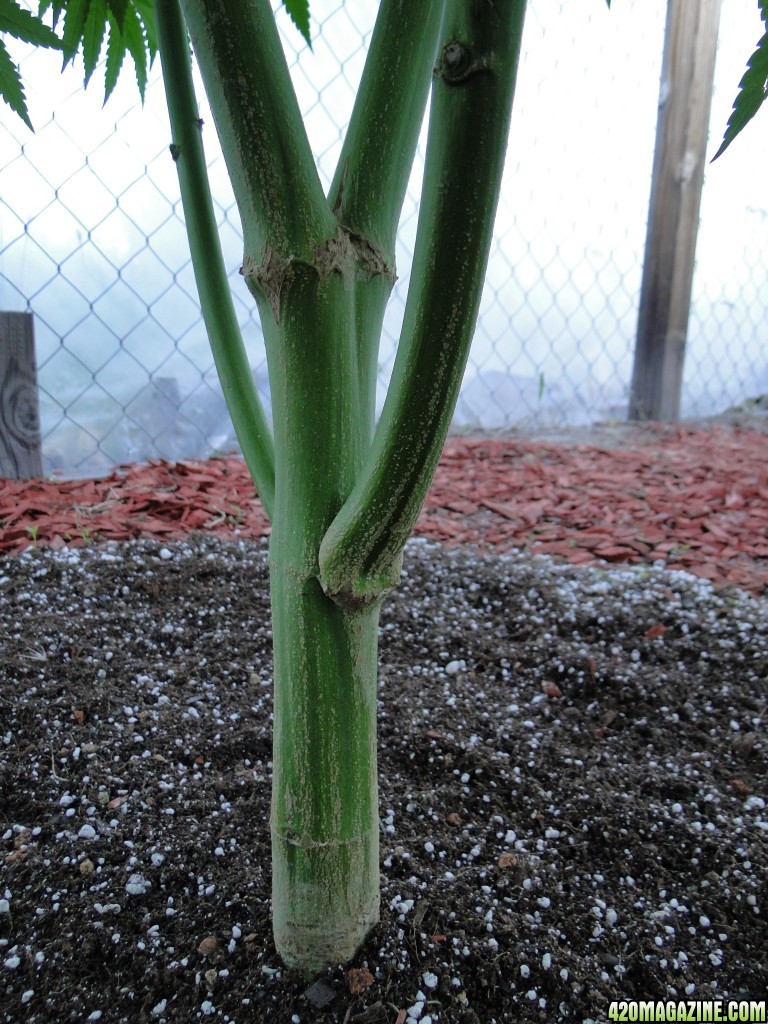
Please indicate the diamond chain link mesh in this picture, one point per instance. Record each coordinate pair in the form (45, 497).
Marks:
(92, 241)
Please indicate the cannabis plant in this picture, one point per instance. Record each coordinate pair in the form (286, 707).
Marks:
(343, 492)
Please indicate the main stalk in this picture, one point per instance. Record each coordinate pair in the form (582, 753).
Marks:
(325, 827)
(347, 493)
(324, 821)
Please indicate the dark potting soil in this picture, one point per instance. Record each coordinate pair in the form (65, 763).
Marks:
(572, 791)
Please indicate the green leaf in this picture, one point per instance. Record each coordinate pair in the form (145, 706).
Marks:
(134, 42)
(117, 9)
(57, 6)
(131, 25)
(752, 89)
(93, 36)
(146, 10)
(75, 16)
(115, 56)
(298, 11)
(11, 88)
(23, 25)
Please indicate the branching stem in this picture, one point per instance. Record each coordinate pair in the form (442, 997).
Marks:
(221, 323)
(469, 124)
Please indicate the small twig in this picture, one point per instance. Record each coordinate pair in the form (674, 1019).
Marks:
(53, 771)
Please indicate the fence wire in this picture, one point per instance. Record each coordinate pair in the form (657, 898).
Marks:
(92, 240)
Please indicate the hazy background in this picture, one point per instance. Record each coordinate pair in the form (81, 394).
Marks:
(91, 238)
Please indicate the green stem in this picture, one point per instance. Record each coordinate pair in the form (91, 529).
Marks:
(469, 124)
(372, 175)
(324, 799)
(325, 823)
(283, 210)
(375, 163)
(321, 290)
(221, 323)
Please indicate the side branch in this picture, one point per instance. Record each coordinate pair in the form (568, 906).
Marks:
(371, 179)
(221, 323)
(469, 123)
(270, 163)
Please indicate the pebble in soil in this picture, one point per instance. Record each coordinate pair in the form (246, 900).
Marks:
(572, 788)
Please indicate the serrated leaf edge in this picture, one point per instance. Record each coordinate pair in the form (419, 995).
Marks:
(752, 93)
(11, 88)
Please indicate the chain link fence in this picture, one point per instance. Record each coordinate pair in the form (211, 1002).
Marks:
(92, 240)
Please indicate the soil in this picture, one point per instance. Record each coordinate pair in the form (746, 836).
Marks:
(572, 766)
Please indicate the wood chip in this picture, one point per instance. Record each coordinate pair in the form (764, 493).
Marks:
(693, 498)
(208, 945)
(359, 979)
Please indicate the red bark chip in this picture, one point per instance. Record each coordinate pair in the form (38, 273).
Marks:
(359, 979)
(656, 630)
(695, 499)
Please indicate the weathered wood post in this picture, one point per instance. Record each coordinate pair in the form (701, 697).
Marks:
(673, 220)
(20, 445)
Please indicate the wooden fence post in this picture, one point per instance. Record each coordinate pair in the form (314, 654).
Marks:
(20, 445)
(673, 220)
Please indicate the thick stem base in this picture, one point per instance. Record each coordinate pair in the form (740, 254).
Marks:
(329, 900)
(325, 819)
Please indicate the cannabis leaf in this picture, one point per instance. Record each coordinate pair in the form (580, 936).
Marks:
(127, 25)
(298, 11)
(20, 24)
(753, 88)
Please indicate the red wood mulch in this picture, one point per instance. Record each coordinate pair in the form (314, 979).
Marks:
(694, 499)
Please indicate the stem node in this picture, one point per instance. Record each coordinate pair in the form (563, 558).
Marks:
(457, 65)
(357, 590)
(268, 277)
